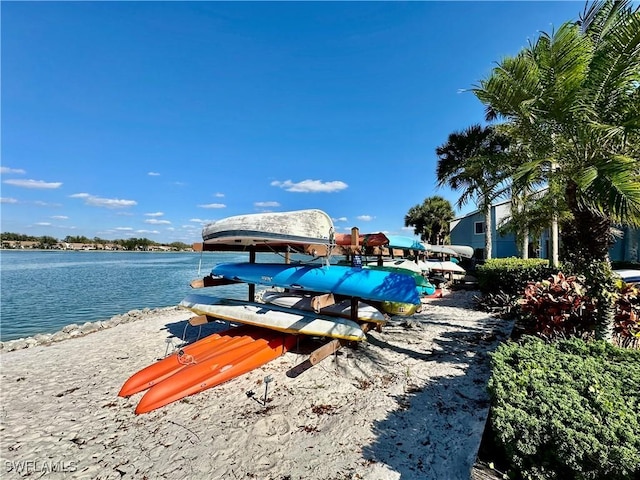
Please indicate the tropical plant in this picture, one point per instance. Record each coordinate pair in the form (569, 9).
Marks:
(573, 96)
(474, 162)
(431, 219)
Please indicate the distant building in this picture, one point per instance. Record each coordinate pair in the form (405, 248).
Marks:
(469, 230)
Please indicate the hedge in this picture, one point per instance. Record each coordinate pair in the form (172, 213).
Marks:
(568, 409)
(511, 275)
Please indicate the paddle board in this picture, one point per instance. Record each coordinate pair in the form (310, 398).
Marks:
(367, 284)
(294, 227)
(274, 317)
(301, 301)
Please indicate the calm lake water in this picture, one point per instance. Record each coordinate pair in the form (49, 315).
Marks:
(42, 291)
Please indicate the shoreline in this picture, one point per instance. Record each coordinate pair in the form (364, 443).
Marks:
(75, 330)
(411, 402)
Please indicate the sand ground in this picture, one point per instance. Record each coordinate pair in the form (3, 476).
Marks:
(410, 403)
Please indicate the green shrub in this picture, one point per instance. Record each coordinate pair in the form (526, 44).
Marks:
(511, 275)
(568, 410)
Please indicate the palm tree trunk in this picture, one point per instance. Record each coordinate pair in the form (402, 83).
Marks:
(525, 243)
(555, 244)
(488, 243)
(589, 255)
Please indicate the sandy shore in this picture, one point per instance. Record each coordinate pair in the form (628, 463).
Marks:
(410, 403)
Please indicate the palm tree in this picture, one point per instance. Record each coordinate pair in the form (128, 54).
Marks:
(574, 97)
(431, 219)
(474, 161)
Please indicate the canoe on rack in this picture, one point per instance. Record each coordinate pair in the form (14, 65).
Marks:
(364, 239)
(294, 227)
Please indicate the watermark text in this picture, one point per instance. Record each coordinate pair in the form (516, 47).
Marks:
(41, 466)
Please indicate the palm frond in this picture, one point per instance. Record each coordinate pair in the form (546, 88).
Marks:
(612, 187)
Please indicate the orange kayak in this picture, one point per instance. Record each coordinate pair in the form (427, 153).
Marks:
(162, 369)
(239, 355)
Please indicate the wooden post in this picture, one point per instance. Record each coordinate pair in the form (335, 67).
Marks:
(333, 346)
(252, 286)
(321, 353)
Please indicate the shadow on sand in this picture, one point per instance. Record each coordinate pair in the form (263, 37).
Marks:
(437, 428)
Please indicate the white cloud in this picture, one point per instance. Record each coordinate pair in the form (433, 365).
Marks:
(213, 205)
(340, 219)
(155, 232)
(365, 218)
(153, 174)
(266, 204)
(33, 183)
(219, 195)
(40, 203)
(155, 221)
(8, 200)
(199, 220)
(310, 186)
(156, 214)
(124, 229)
(4, 170)
(43, 224)
(60, 217)
(94, 201)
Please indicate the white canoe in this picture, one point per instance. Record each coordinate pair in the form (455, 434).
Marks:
(445, 267)
(295, 227)
(462, 250)
(451, 250)
(282, 319)
(301, 301)
(398, 265)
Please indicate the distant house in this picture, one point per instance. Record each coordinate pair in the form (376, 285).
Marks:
(469, 230)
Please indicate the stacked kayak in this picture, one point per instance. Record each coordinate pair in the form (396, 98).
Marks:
(268, 330)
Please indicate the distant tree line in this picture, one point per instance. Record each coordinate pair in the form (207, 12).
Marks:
(127, 244)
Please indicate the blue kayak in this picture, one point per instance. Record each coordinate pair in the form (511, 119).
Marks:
(368, 284)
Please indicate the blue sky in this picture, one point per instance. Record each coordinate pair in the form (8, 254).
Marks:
(148, 119)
